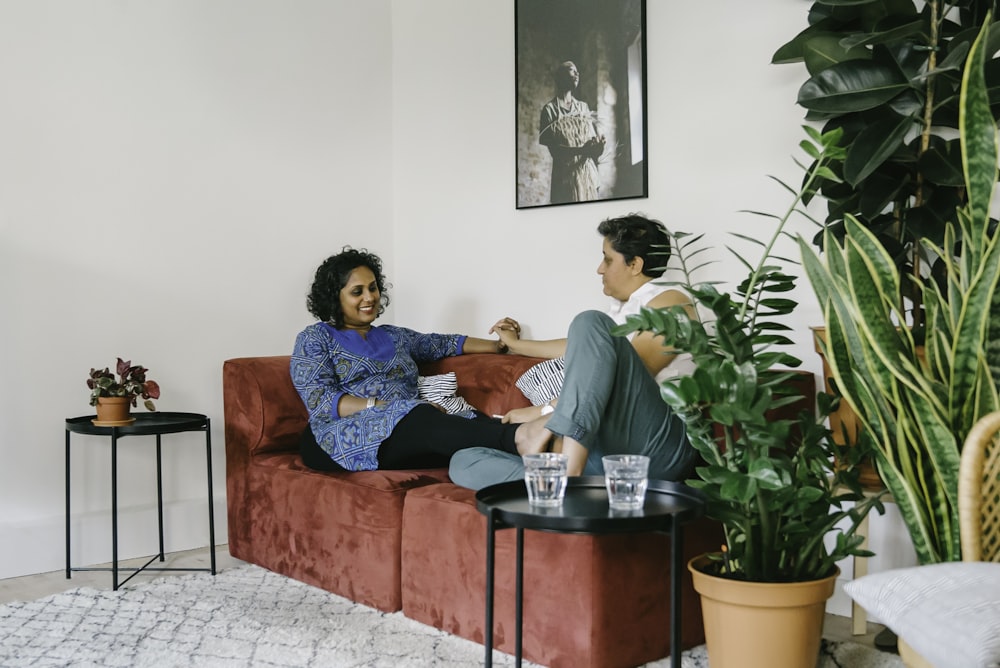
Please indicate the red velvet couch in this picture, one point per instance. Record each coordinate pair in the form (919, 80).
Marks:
(413, 541)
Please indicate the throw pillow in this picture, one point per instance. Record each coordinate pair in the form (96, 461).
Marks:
(443, 391)
(542, 382)
(949, 613)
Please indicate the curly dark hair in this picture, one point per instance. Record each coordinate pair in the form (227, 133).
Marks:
(323, 300)
(634, 236)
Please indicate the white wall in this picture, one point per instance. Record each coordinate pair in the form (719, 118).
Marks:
(235, 144)
(721, 119)
(171, 173)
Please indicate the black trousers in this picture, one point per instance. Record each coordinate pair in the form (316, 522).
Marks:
(425, 438)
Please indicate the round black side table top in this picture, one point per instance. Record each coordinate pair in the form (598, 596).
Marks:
(155, 422)
(585, 508)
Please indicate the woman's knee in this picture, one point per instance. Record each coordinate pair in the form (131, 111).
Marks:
(590, 321)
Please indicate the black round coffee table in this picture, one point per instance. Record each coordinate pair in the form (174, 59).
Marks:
(585, 510)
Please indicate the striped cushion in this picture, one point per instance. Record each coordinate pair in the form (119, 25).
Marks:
(442, 390)
(949, 613)
(543, 382)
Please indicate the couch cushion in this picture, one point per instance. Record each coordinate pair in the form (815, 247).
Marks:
(338, 531)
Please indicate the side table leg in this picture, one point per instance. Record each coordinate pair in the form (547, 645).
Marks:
(676, 556)
(211, 506)
(488, 631)
(159, 492)
(519, 597)
(67, 507)
(114, 508)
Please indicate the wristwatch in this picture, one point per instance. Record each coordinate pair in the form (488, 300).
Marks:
(547, 408)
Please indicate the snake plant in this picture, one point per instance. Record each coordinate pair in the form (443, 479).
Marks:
(918, 406)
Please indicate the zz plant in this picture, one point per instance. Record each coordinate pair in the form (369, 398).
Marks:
(779, 487)
(918, 408)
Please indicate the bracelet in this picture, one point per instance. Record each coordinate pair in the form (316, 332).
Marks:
(547, 408)
(370, 403)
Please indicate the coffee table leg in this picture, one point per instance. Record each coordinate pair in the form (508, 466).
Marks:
(676, 556)
(519, 594)
(488, 631)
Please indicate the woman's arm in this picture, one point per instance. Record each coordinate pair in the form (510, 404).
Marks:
(349, 404)
(474, 345)
(509, 332)
(656, 356)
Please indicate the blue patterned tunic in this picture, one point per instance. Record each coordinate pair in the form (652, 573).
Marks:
(328, 363)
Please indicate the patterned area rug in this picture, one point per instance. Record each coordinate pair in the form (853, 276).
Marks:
(247, 617)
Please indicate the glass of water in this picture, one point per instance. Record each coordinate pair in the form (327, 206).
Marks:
(626, 477)
(545, 478)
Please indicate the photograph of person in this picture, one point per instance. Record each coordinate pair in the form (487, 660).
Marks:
(580, 106)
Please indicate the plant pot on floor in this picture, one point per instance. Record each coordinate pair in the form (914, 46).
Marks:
(113, 412)
(761, 624)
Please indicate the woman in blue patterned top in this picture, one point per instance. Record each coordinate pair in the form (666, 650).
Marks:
(359, 381)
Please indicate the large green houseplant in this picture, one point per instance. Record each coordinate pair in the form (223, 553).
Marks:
(919, 409)
(772, 483)
(785, 492)
(888, 73)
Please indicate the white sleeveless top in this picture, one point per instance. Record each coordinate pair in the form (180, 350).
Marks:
(619, 311)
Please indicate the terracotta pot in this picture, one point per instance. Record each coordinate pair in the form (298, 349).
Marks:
(761, 624)
(113, 412)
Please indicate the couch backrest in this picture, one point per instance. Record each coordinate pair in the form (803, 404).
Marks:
(263, 412)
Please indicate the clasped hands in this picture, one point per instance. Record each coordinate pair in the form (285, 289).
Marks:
(509, 331)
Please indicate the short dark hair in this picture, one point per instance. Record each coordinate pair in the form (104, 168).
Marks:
(635, 236)
(323, 300)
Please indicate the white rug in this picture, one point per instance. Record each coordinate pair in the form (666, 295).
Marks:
(247, 617)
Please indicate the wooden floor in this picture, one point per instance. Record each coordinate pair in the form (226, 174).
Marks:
(30, 587)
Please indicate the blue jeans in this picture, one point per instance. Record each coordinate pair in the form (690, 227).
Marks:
(609, 403)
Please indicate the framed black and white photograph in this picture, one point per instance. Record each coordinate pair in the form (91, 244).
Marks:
(581, 101)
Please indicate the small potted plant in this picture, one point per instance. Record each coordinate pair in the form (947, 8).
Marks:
(784, 490)
(113, 396)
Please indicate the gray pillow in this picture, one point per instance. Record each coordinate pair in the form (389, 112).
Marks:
(949, 613)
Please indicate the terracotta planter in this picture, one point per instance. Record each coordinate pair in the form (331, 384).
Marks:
(761, 624)
(113, 412)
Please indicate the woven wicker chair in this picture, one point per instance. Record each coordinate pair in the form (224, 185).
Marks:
(979, 491)
(978, 505)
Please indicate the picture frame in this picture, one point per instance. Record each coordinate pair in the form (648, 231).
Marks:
(580, 80)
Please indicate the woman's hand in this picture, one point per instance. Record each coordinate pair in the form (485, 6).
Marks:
(509, 331)
(519, 415)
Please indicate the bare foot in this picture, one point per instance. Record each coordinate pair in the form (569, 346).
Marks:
(532, 437)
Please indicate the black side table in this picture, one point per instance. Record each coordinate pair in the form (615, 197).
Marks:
(585, 510)
(146, 424)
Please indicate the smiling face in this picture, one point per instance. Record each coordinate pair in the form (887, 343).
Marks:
(359, 299)
(620, 279)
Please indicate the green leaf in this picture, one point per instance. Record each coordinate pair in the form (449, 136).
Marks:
(874, 146)
(979, 135)
(852, 86)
